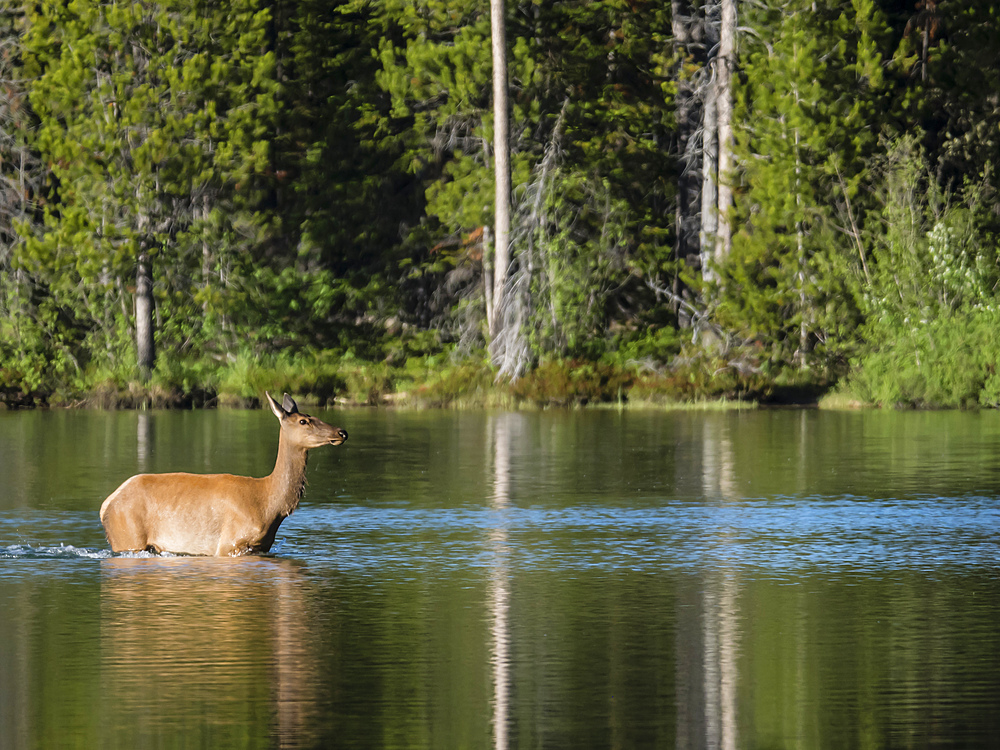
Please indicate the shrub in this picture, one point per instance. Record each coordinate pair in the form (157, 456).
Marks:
(948, 361)
(564, 382)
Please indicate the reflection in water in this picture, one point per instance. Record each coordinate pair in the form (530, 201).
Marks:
(294, 661)
(755, 580)
(186, 637)
(501, 433)
(142, 441)
(719, 600)
(14, 662)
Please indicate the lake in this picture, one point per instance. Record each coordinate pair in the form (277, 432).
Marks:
(557, 579)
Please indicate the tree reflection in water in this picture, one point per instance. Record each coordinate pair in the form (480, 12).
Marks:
(502, 431)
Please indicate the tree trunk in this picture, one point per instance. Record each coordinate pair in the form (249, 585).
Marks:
(687, 31)
(725, 65)
(501, 162)
(709, 185)
(925, 53)
(144, 347)
(145, 351)
(801, 353)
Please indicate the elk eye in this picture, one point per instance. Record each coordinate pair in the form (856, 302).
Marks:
(303, 421)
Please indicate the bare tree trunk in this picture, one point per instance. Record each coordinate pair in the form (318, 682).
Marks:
(144, 347)
(926, 46)
(488, 275)
(145, 351)
(535, 226)
(206, 247)
(688, 31)
(801, 354)
(709, 185)
(725, 65)
(501, 161)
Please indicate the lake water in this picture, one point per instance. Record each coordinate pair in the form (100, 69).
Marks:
(563, 579)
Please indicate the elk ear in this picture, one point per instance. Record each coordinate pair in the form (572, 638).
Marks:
(275, 407)
(289, 405)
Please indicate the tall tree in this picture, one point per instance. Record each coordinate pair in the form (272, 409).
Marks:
(144, 109)
(21, 172)
(337, 194)
(709, 217)
(958, 98)
(691, 55)
(496, 301)
(717, 137)
(726, 64)
(793, 279)
(589, 126)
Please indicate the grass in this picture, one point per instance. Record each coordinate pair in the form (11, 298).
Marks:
(840, 399)
(694, 380)
(321, 380)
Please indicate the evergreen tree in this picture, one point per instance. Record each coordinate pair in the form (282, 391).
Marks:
(337, 197)
(794, 277)
(149, 113)
(962, 88)
(690, 56)
(589, 126)
(21, 178)
(19, 167)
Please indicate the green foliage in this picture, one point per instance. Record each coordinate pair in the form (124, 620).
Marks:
(313, 377)
(697, 375)
(565, 382)
(954, 101)
(311, 184)
(932, 306)
(651, 347)
(793, 279)
(151, 117)
(947, 361)
(932, 251)
(466, 383)
(590, 174)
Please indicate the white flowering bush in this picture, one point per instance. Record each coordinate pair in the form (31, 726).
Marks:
(957, 274)
(932, 314)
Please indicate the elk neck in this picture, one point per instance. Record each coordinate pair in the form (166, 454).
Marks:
(285, 485)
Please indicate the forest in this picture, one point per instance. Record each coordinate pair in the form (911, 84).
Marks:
(757, 200)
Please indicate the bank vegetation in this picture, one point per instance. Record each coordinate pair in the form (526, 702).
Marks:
(702, 199)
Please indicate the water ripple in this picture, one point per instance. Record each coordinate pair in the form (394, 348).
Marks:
(787, 534)
(781, 535)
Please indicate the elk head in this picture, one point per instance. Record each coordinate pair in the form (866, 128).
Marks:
(302, 430)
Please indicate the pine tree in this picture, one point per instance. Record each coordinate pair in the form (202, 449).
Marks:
(148, 114)
(592, 176)
(690, 55)
(21, 174)
(337, 196)
(793, 280)
(960, 86)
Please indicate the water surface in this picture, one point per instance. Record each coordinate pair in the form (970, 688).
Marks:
(556, 579)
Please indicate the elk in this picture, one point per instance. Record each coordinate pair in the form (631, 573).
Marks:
(217, 514)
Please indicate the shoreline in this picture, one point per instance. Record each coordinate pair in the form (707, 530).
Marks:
(134, 397)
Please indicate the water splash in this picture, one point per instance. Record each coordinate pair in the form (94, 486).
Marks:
(58, 552)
